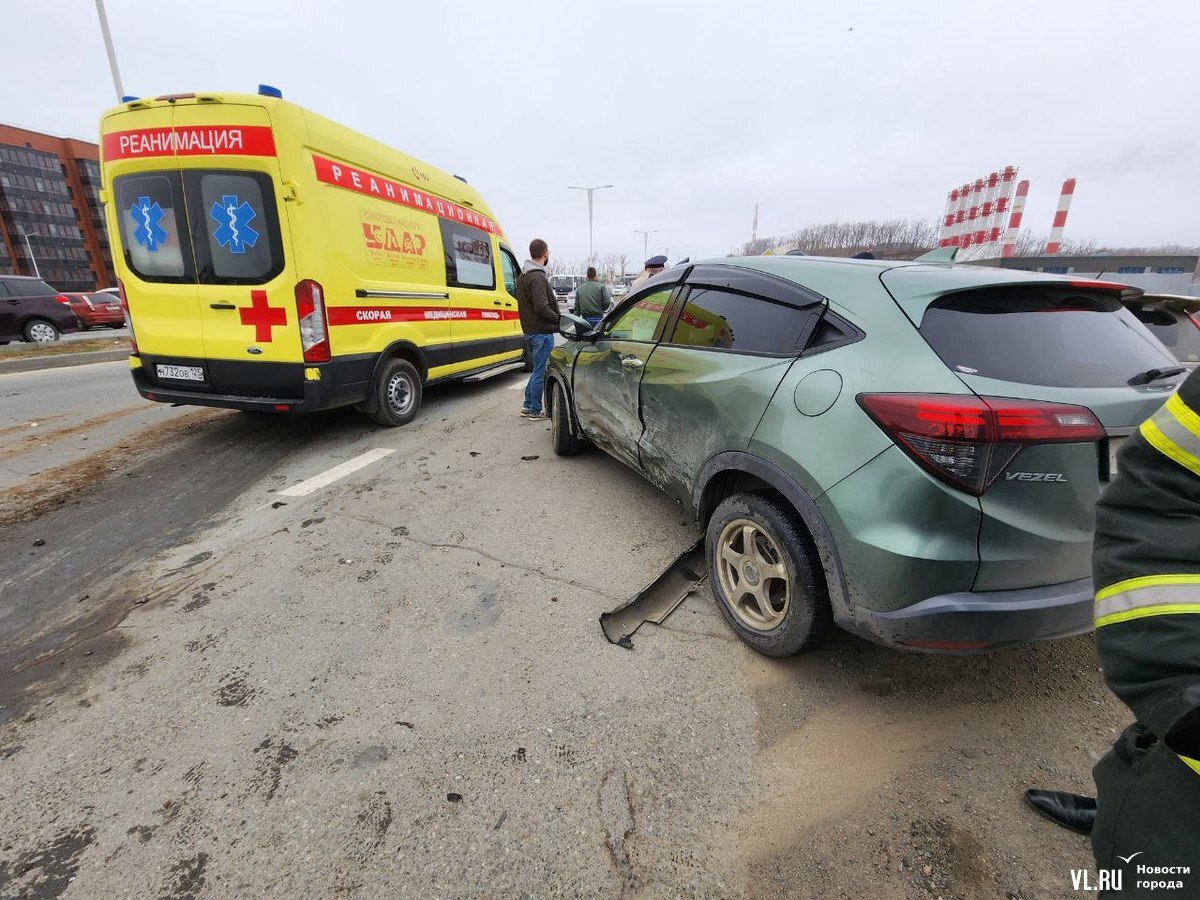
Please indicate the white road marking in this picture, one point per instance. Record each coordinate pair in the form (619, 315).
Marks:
(518, 387)
(304, 488)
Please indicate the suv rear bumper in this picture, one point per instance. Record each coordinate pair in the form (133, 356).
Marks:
(971, 622)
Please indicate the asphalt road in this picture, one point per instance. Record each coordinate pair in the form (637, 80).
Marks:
(224, 672)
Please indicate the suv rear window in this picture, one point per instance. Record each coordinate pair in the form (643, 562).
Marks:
(1041, 335)
(198, 226)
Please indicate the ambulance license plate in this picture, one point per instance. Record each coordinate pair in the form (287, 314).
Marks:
(1114, 444)
(181, 373)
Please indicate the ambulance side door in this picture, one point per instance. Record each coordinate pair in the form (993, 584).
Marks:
(510, 270)
(477, 327)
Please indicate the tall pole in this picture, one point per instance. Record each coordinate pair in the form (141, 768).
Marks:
(590, 191)
(645, 233)
(112, 54)
(33, 259)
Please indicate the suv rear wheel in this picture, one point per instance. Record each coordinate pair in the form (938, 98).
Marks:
(765, 575)
(397, 393)
(39, 331)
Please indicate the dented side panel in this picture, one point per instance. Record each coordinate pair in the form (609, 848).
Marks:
(697, 403)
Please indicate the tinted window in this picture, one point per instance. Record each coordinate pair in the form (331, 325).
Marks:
(1046, 336)
(724, 320)
(234, 229)
(640, 318)
(4, 292)
(151, 212)
(508, 266)
(468, 256)
(31, 287)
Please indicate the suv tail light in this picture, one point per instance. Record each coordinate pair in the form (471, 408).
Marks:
(968, 441)
(314, 331)
(128, 318)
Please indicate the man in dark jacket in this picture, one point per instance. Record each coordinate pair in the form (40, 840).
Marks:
(1146, 568)
(539, 320)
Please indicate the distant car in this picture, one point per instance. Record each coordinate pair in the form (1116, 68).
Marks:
(30, 310)
(98, 310)
(620, 290)
(911, 450)
(1174, 320)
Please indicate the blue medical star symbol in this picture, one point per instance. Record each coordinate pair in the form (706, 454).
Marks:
(149, 232)
(233, 217)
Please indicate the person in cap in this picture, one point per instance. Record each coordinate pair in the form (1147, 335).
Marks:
(654, 265)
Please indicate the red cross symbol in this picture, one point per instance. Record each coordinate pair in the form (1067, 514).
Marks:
(262, 316)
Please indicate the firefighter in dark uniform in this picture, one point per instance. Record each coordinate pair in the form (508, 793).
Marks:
(1146, 569)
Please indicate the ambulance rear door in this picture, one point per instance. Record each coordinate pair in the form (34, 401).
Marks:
(147, 216)
(247, 296)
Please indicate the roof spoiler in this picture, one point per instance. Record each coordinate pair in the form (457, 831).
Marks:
(942, 256)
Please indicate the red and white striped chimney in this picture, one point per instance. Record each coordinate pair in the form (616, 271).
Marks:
(1014, 221)
(948, 219)
(1008, 179)
(1054, 245)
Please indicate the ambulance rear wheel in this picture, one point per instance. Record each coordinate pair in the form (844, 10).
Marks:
(397, 393)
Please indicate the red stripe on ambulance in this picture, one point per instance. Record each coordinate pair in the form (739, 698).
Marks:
(361, 182)
(193, 140)
(374, 315)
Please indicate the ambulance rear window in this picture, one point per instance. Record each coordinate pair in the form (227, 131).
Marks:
(150, 209)
(235, 229)
(206, 226)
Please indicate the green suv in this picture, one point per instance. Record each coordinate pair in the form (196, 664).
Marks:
(913, 450)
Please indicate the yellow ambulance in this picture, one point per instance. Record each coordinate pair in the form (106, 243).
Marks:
(273, 260)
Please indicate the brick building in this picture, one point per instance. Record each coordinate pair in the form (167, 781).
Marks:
(51, 221)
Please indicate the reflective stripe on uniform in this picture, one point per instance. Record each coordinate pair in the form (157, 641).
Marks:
(1174, 431)
(1150, 595)
(1192, 764)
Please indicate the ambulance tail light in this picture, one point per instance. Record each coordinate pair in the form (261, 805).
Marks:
(128, 318)
(314, 331)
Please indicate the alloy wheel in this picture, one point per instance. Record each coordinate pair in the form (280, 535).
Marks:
(753, 575)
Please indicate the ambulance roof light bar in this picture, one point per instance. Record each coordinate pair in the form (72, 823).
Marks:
(266, 90)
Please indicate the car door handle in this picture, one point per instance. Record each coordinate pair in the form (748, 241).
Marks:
(631, 362)
(13, 302)
(221, 306)
(496, 302)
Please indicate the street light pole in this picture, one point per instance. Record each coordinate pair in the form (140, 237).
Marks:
(33, 259)
(112, 54)
(590, 191)
(645, 240)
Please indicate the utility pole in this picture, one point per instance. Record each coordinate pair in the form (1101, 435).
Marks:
(112, 54)
(590, 191)
(645, 240)
(754, 227)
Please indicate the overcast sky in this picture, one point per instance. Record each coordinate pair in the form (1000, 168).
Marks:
(695, 110)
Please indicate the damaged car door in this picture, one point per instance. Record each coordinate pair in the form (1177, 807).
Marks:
(608, 373)
(731, 341)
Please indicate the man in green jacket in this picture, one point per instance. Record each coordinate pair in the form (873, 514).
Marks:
(592, 298)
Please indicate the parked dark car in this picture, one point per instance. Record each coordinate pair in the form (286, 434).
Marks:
(31, 311)
(100, 310)
(1174, 320)
(911, 450)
